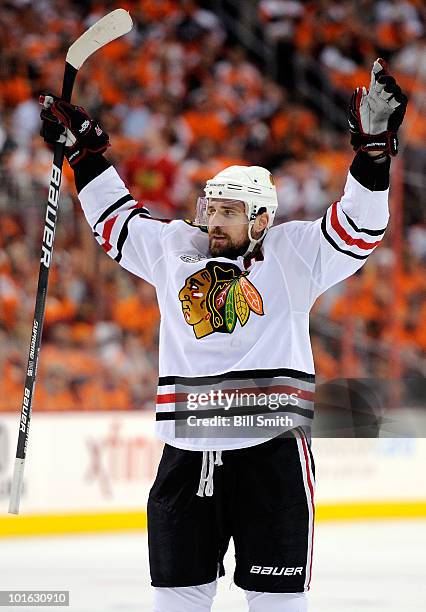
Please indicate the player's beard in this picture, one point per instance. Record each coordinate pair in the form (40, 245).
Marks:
(226, 247)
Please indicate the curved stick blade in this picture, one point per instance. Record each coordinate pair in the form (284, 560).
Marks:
(108, 28)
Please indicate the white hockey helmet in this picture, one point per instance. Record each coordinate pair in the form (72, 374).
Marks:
(252, 185)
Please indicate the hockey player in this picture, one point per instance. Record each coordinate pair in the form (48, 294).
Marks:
(234, 293)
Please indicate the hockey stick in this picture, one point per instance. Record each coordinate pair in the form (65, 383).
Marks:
(112, 26)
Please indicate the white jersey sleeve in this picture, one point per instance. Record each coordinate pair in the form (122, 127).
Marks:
(122, 226)
(328, 250)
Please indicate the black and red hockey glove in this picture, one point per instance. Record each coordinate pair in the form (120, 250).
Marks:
(375, 115)
(72, 125)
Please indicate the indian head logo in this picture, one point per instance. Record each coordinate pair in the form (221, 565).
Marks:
(216, 297)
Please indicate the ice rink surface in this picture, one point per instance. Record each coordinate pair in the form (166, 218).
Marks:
(374, 566)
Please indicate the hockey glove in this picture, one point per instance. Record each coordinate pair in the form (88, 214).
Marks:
(70, 124)
(375, 115)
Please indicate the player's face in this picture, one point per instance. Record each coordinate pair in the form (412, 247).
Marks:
(228, 228)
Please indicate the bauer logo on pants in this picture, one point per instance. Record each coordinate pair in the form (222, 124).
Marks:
(218, 296)
(276, 571)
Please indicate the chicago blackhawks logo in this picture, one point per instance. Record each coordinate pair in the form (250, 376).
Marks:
(216, 297)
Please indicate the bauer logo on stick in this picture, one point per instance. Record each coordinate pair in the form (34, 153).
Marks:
(50, 219)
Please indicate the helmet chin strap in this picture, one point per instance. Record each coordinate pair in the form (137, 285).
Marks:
(253, 241)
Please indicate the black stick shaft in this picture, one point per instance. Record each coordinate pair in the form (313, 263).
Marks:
(40, 304)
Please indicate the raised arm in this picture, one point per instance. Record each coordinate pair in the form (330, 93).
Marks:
(122, 226)
(330, 249)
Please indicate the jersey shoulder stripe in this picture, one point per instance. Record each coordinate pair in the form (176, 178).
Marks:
(370, 232)
(124, 232)
(345, 236)
(335, 245)
(341, 231)
(108, 211)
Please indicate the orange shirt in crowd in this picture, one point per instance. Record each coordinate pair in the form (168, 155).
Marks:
(133, 315)
(59, 310)
(15, 90)
(11, 381)
(293, 120)
(206, 125)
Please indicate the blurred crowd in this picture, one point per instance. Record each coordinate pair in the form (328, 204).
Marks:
(182, 96)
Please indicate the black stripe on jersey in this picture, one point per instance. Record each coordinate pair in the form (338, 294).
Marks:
(113, 208)
(180, 415)
(336, 246)
(362, 229)
(237, 375)
(124, 232)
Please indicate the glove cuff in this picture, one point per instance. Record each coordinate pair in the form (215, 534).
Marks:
(369, 173)
(88, 168)
(386, 142)
(76, 153)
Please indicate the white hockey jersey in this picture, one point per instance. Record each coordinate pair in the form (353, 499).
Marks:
(233, 325)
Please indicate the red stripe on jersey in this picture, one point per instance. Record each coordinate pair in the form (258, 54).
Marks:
(171, 398)
(106, 233)
(340, 230)
(167, 398)
(138, 205)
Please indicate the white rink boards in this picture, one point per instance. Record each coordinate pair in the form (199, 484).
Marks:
(106, 462)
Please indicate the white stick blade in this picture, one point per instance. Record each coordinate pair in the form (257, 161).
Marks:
(16, 489)
(112, 26)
